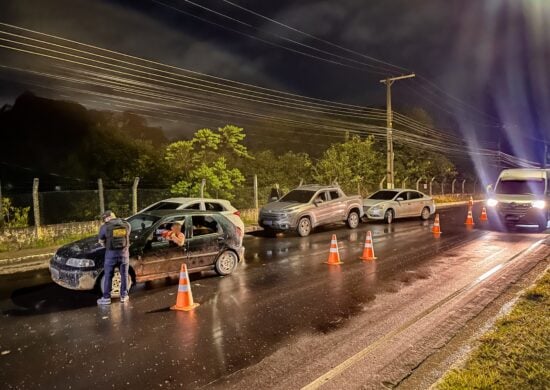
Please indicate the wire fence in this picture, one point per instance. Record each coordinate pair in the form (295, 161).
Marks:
(58, 207)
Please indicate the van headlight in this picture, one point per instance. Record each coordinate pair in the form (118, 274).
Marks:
(80, 263)
(492, 202)
(539, 204)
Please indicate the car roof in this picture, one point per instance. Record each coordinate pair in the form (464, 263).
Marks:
(169, 213)
(316, 187)
(185, 200)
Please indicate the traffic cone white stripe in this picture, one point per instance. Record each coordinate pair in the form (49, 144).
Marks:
(183, 288)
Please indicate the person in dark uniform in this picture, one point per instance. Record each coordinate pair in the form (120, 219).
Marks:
(114, 235)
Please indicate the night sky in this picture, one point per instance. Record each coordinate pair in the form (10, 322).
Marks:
(482, 66)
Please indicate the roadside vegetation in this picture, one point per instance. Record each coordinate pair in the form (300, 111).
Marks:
(516, 353)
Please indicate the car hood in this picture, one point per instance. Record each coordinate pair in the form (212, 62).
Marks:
(374, 202)
(82, 248)
(277, 207)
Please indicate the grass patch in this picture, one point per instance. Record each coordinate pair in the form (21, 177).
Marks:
(42, 243)
(516, 353)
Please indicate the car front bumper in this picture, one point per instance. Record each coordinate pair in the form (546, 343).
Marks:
(373, 213)
(74, 279)
(280, 223)
(518, 215)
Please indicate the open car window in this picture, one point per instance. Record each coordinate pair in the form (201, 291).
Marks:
(141, 222)
(205, 224)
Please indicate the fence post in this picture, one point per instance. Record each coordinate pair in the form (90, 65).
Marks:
(463, 185)
(256, 192)
(101, 196)
(404, 182)
(134, 195)
(381, 185)
(1, 209)
(453, 186)
(36, 207)
(301, 183)
(431, 185)
(203, 184)
(475, 182)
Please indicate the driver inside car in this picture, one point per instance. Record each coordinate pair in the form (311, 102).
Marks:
(174, 235)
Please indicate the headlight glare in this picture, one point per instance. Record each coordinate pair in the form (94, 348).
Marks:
(539, 204)
(80, 263)
(492, 202)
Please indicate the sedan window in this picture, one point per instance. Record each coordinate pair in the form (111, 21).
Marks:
(383, 195)
(411, 195)
(211, 206)
(193, 206)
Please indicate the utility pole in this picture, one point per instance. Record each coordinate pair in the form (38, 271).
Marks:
(389, 126)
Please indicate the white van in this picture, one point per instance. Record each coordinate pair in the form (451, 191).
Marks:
(521, 197)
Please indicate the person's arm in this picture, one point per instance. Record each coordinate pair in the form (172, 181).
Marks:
(178, 239)
(101, 235)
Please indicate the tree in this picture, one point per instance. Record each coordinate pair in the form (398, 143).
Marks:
(210, 155)
(355, 163)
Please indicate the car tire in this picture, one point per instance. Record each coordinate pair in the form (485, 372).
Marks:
(304, 227)
(425, 214)
(226, 263)
(353, 220)
(115, 284)
(388, 216)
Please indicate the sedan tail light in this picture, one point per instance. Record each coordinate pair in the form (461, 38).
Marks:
(237, 213)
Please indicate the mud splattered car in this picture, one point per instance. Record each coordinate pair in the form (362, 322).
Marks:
(212, 242)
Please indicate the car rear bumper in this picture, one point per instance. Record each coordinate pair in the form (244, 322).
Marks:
(74, 279)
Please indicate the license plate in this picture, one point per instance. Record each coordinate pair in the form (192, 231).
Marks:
(55, 273)
(268, 222)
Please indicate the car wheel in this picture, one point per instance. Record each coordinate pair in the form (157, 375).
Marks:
(425, 213)
(115, 283)
(353, 220)
(542, 226)
(226, 263)
(304, 226)
(388, 216)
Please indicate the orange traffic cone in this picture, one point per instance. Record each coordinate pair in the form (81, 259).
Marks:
(334, 255)
(436, 230)
(368, 251)
(471, 201)
(469, 218)
(184, 300)
(483, 217)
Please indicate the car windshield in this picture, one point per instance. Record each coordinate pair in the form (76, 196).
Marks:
(520, 187)
(163, 206)
(298, 196)
(141, 222)
(383, 195)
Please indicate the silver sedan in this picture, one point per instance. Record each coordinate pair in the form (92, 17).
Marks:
(398, 203)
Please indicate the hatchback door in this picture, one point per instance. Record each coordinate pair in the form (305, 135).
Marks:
(159, 257)
(205, 241)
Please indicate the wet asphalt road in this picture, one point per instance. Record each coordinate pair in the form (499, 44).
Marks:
(51, 337)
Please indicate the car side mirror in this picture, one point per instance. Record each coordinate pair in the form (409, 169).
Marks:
(399, 199)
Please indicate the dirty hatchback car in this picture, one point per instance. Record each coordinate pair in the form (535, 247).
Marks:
(212, 242)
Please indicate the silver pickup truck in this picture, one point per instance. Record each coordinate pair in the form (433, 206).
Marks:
(309, 206)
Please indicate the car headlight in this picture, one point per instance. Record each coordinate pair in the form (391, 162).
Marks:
(80, 263)
(376, 208)
(539, 204)
(492, 202)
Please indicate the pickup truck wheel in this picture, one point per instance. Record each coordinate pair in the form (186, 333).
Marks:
(388, 216)
(353, 220)
(425, 213)
(226, 263)
(115, 284)
(304, 227)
